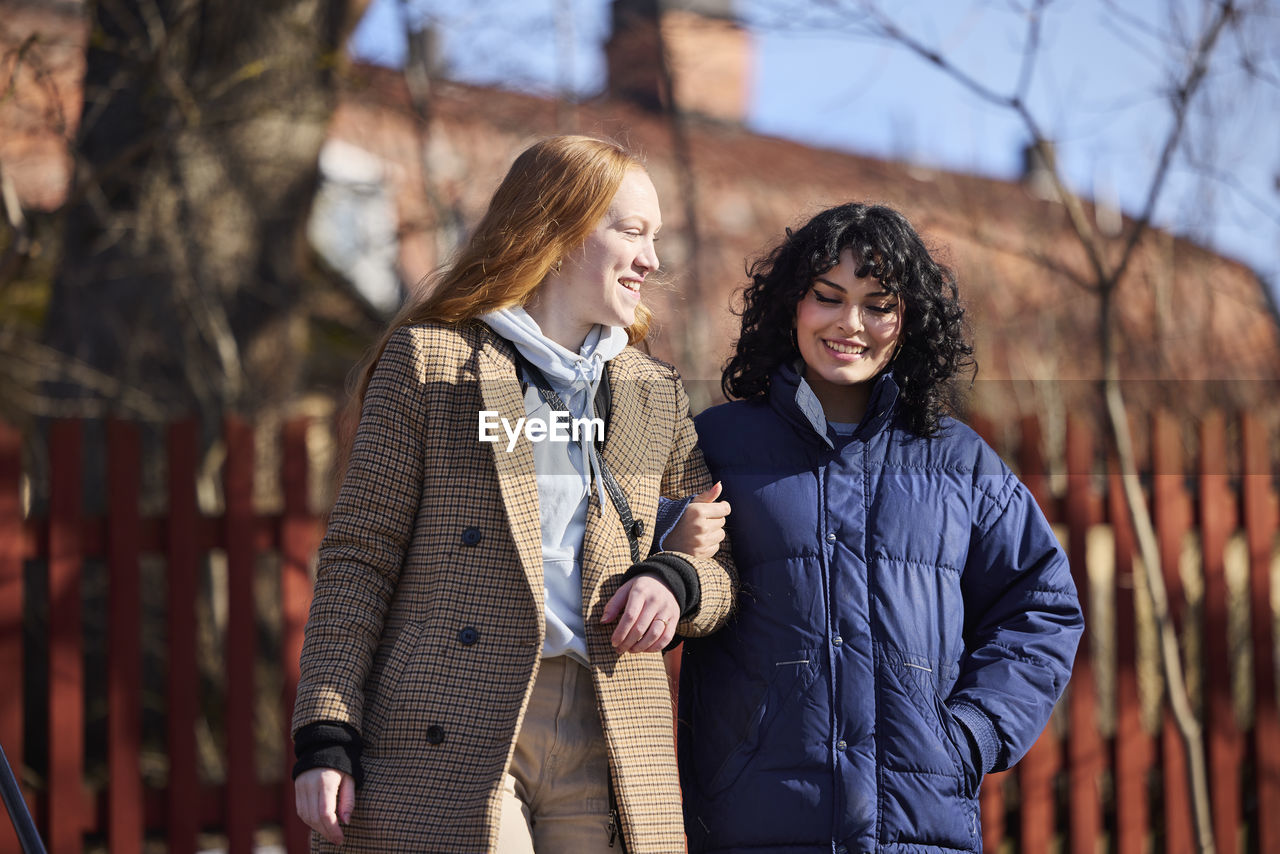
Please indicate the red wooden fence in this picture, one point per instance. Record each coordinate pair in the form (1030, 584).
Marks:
(124, 812)
(1084, 786)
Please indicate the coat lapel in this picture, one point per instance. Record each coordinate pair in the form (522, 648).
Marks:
(500, 391)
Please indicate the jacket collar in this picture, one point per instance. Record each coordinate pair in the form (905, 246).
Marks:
(793, 399)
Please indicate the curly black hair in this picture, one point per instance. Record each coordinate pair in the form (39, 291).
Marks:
(934, 346)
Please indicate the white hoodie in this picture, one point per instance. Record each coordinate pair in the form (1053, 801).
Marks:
(564, 470)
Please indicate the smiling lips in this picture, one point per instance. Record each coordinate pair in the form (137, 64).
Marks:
(632, 285)
(842, 349)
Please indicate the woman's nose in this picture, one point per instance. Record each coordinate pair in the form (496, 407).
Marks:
(851, 319)
(648, 258)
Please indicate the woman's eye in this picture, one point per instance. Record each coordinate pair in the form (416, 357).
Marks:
(826, 300)
(883, 309)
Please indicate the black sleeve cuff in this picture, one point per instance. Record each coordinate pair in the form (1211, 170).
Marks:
(328, 745)
(678, 574)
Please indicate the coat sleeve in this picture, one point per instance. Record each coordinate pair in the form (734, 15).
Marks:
(366, 540)
(686, 474)
(1022, 624)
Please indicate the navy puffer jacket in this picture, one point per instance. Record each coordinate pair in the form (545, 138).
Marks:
(906, 622)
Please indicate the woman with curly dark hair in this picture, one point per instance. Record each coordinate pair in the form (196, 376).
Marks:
(906, 619)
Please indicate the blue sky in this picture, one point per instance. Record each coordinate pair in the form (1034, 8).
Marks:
(1096, 90)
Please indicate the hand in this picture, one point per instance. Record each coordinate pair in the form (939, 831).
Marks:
(701, 529)
(647, 613)
(324, 799)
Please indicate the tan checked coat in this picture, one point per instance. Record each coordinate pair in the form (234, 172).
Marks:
(427, 624)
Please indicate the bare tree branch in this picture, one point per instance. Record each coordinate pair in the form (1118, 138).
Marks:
(1030, 51)
(1180, 100)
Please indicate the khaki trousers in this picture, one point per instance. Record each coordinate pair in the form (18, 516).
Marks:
(556, 792)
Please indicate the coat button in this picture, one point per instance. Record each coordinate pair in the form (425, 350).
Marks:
(435, 734)
(471, 536)
(468, 636)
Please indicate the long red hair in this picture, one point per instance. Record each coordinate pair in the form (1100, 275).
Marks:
(551, 199)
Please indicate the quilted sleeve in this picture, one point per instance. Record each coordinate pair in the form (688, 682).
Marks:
(686, 474)
(365, 543)
(1022, 624)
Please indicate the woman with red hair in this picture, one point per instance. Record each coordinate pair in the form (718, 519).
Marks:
(482, 667)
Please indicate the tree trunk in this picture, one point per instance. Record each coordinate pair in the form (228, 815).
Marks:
(195, 168)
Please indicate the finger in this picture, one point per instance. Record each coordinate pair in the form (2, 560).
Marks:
(704, 514)
(653, 638)
(627, 632)
(718, 510)
(646, 641)
(668, 632)
(346, 799)
(708, 546)
(616, 603)
(329, 815)
(709, 494)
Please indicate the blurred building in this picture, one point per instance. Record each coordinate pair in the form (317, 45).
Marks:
(415, 156)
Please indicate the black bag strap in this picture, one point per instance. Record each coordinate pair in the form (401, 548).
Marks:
(632, 526)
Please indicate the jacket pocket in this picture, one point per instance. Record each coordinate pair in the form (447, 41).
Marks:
(766, 697)
(384, 685)
(929, 780)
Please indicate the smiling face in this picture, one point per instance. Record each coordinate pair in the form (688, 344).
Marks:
(847, 330)
(601, 282)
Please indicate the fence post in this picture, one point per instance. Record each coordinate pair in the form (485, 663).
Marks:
(1037, 770)
(66, 797)
(124, 645)
(12, 595)
(182, 552)
(242, 635)
(1260, 529)
(1084, 743)
(1217, 521)
(298, 539)
(1131, 743)
(1172, 519)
